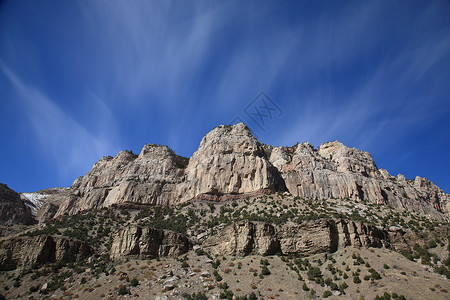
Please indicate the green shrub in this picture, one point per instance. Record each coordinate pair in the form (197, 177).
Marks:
(197, 296)
(123, 290)
(134, 282)
(327, 294)
(265, 271)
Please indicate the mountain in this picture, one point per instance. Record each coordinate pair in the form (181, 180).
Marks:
(231, 163)
(13, 210)
(237, 220)
(44, 203)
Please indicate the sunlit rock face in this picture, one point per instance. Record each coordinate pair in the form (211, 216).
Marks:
(230, 163)
(148, 178)
(147, 242)
(339, 172)
(305, 239)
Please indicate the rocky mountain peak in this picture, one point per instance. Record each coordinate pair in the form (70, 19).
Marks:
(349, 159)
(227, 139)
(152, 151)
(230, 162)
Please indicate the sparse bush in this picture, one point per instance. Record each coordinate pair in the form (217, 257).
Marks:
(327, 294)
(123, 290)
(265, 271)
(134, 282)
(197, 296)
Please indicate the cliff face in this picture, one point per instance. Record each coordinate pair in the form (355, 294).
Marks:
(321, 236)
(337, 171)
(24, 251)
(45, 203)
(147, 242)
(230, 163)
(12, 209)
(147, 178)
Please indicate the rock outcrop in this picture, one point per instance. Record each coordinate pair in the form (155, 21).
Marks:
(45, 203)
(230, 163)
(147, 178)
(13, 210)
(340, 172)
(320, 236)
(19, 252)
(145, 242)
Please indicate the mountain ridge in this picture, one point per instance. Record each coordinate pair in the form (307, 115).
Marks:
(312, 217)
(230, 161)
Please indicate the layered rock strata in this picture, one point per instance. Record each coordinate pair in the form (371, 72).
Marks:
(339, 172)
(20, 252)
(320, 236)
(229, 161)
(231, 164)
(148, 242)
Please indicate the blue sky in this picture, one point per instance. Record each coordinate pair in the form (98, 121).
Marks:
(83, 79)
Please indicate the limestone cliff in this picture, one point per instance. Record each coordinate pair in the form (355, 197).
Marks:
(18, 252)
(230, 163)
(147, 178)
(44, 203)
(320, 236)
(147, 242)
(337, 171)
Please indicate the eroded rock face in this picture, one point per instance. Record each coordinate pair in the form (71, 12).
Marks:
(337, 171)
(147, 178)
(244, 238)
(320, 236)
(229, 161)
(18, 252)
(144, 242)
(12, 209)
(45, 203)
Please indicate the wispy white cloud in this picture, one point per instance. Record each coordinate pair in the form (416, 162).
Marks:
(63, 140)
(384, 104)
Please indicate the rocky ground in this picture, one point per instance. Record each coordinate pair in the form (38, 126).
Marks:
(125, 252)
